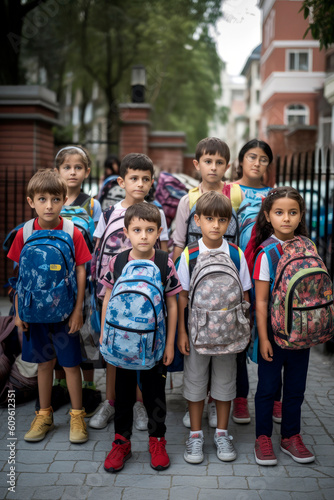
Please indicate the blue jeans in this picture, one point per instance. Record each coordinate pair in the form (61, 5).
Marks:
(295, 364)
(242, 378)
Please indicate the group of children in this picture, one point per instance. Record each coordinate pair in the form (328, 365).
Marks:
(222, 377)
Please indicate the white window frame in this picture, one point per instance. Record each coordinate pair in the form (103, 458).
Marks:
(296, 112)
(309, 52)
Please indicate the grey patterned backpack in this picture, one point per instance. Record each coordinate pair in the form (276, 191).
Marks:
(217, 322)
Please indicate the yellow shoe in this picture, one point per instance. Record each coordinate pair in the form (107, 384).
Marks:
(78, 429)
(41, 425)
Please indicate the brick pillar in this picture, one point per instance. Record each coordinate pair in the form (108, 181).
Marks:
(166, 150)
(135, 125)
(27, 115)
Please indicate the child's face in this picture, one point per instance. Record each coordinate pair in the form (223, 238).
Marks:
(211, 167)
(142, 234)
(213, 228)
(137, 184)
(254, 164)
(284, 216)
(48, 207)
(73, 171)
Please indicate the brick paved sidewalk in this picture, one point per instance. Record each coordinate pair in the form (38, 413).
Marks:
(56, 469)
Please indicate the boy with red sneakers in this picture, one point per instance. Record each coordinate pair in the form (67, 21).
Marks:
(142, 223)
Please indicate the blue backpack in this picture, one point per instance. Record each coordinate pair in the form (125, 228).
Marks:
(82, 221)
(134, 333)
(47, 284)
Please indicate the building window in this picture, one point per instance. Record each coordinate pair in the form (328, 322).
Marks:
(257, 97)
(297, 114)
(298, 61)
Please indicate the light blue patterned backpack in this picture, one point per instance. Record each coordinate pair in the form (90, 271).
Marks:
(47, 284)
(134, 334)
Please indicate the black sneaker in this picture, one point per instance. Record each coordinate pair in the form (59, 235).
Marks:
(59, 397)
(91, 398)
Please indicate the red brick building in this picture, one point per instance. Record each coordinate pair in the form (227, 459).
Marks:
(292, 76)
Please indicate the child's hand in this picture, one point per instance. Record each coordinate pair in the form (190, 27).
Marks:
(266, 350)
(101, 338)
(168, 355)
(21, 324)
(183, 343)
(76, 321)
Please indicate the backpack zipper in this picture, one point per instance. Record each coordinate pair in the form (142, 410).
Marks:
(155, 313)
(197, 283)
(63, 256)
(125, 280)
(51, 237)
(295, 258)
(290, 293)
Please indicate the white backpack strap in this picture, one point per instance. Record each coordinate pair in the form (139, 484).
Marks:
(28, 229)
(68, 227)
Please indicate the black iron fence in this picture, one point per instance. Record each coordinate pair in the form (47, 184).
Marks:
(312, 174)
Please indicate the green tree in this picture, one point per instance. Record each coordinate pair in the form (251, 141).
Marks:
(99, 41)
(321, 18)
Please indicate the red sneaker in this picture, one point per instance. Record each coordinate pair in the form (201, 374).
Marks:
(120, 452)
(277, 412)
(295, 447)
(159, 456)
(263, 451)
(240, 414)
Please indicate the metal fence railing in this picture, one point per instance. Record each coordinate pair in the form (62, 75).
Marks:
(312, 174)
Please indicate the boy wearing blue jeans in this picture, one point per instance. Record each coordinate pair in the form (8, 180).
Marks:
(43, 343)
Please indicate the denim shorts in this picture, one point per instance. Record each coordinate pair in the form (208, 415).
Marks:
(45, 342)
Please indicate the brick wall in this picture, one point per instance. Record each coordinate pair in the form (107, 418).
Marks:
(27, 115)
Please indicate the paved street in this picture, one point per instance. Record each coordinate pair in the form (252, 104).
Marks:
(56, 469)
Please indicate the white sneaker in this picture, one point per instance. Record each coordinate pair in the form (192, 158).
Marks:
(212, 414)
(225, 448)
(103, 416)
(186, 419)
(194, 449)
(140, 418)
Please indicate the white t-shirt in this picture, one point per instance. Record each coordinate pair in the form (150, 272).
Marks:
(119, 211)
(261, 271)
(183, 270)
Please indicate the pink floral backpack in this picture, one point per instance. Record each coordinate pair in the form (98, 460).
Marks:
(302, 310)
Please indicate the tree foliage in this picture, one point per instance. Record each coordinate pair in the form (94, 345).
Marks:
(99, 41)
(321, 18)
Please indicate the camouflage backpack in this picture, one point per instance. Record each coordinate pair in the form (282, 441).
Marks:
(217, 323)
(302, 310)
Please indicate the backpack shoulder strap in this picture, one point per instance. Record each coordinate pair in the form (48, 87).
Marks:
(107, 213)
(120, 262)
(273, 250)
(236, 196)
(81, 200)
(161, 260)
(28, 229)
(68, 227)
(235, 254)
(193, 194)
(191, 254)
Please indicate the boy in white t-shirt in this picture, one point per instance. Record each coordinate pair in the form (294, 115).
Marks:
(213, 214)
